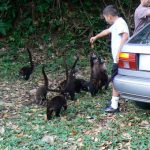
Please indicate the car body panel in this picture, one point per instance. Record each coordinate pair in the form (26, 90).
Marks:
(133, 73)
(132, 88)
(141, 49)
(135, 84)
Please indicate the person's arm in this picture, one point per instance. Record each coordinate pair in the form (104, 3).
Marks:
(124, 38)
(101, 34)
(148, 13)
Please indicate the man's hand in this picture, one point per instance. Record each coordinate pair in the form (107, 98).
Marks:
(92, 39)
(117, 58)
(124, 38)
(100, 35)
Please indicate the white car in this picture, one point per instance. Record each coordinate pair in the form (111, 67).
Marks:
(133, 79)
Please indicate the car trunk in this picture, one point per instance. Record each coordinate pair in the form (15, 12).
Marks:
(143, 60)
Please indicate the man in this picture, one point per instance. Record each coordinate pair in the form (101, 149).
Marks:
(142, 15)
(119, 35)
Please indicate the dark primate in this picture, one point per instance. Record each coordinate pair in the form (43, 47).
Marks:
(26, 71)
(80, 84)
(42, 90)
(55, 104)
(63, 83)
(91, 88)
(99, 77)
(68, 85)
(70, 82)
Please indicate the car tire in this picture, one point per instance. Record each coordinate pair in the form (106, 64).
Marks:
(143, 105)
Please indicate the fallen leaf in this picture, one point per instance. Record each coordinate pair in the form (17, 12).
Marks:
(122, 125)
(80, 144)
(32, 92)
(5, 115)
(48, 139)
(73, 147)
(2, 130)
(127, 136)
(145, 123)
(130, 124)
(79, 140)
(96, 139)
(20, 135)
(63, 118)
(74, 132)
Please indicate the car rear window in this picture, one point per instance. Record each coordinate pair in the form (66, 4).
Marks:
(143, 37)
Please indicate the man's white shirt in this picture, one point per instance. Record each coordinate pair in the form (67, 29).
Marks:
(119, 27)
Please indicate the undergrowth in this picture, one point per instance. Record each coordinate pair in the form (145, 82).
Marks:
(84, 126)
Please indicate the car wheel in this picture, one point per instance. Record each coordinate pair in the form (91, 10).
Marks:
(143, 105)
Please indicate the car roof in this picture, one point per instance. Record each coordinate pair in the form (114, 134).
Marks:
(136, 47)
(139, 31)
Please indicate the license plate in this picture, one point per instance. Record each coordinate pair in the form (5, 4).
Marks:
(144, 62)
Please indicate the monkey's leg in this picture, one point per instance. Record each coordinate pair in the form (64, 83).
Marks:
(57, 112)
(49, 113)
(106, 85)
(65, 107)
(72, 95)
(41, 101)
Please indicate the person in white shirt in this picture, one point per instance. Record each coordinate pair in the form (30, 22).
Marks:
(119, 35)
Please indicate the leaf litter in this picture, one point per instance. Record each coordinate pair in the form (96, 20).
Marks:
(89, 125)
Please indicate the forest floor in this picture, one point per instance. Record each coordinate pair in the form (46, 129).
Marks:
(84, 125)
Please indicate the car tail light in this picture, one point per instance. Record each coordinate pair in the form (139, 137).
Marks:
(128, 61)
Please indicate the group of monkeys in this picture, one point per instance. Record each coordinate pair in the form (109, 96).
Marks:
(71, 85)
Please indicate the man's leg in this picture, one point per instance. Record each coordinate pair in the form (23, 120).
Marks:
(114, 101)
(115, 98)
(115, 95)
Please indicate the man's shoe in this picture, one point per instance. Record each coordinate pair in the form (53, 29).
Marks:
(108, 103)
(111, 110)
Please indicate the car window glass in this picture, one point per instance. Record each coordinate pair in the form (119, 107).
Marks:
(143, 37)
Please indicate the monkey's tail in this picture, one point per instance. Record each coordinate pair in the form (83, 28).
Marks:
(74, 65)
(30, 58)
(45, 77)
(66, 68)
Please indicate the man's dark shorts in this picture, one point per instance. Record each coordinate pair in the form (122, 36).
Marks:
(114, 71)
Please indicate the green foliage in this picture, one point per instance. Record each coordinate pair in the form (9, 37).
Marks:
(4, 27)
(59, 27)
(51, 29)
(84, 125)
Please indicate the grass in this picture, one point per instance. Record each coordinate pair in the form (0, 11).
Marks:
(84, 126)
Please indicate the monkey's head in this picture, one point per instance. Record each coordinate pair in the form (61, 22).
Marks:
(94, 58)
(22, 73)
(85, 85)
(91, 88)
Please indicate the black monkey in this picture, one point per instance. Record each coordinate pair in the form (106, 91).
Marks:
(68, 85)
(55, 104)
(99, 76)
(80, 84)
(42, 90)
(26, 71)
(70, 82)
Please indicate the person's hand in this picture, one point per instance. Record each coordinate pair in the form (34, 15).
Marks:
(92, 39)
(117, 58)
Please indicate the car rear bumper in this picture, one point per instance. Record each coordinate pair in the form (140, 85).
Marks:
(132, 88)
